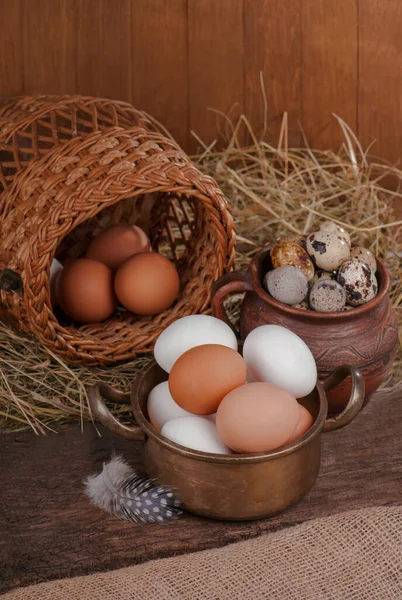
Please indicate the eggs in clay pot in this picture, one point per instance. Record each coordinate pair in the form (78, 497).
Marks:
(331, 227)
(277, 355)
(116, 244)
(359, 282)
(291, 254)
(365, 256)
(327, 296)
(194, 432)
(189, 332)
(147, 283)
(327, 250)
(161, 406)
(85, 291)
(287, 284)
(257, 417)
(202, 376)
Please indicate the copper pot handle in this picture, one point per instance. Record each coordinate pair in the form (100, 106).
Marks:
(100, 411)
(356, 399)
(236, 281)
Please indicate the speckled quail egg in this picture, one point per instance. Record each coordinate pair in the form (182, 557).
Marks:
(318, 275)
(331, 227)
(297, 239)
(287, 284)
(304, 305)
(327, 296)
(292, 254)
(327, 250)
(359, 282)
(365, 256)
(347, 307)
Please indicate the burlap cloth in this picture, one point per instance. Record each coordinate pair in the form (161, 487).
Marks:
(350, 556)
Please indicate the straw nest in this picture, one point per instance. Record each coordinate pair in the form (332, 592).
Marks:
(273, 191)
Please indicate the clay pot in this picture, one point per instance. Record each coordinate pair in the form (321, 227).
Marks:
(365, 337)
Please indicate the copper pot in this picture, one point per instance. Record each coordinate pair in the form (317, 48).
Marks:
(232, 486)
(365, 337)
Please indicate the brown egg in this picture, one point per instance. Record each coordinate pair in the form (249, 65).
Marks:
(304, 424)
(85, 291)
(115, 245)
(147, 283)
(257, 417)
(292, 254)
(203, 375)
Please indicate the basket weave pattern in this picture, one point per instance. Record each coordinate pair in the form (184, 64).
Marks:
(60, 199)
(30, 126)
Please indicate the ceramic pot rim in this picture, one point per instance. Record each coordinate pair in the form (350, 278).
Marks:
(383, 288)
(229, 459)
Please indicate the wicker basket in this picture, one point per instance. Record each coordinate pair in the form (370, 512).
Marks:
(31, 125)
(58, 200)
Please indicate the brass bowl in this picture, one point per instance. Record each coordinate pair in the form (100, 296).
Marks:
(232, 486)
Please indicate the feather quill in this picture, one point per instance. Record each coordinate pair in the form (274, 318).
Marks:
(123, 493)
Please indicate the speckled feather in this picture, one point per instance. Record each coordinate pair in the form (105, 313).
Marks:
(121, 492)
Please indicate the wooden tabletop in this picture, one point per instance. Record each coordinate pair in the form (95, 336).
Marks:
(48, 528)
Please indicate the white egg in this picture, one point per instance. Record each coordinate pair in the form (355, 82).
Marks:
(189, 332)
(195, 432)
(162, 408)
(55, 269)
(277, 355)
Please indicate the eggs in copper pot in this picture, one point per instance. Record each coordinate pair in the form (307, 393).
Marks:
(257, 417)
(203, 375)
(275, 354)
(305, 422)
(115, 245)
(161, 407)
(197, 433)
(147, 283)
(189, 332)
(85, 291)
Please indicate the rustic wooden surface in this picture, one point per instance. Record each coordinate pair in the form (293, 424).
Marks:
(178, 58)
(49, 530)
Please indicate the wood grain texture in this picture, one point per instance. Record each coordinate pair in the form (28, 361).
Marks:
(380, 66)
(272, 49)
(51, 64)
(11, 56)
(177, 58)
(160, 63)
(49, 530)
(103, 48)
(329, 80)
(216, 66)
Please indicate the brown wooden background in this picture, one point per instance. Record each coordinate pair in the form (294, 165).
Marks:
(176, 58)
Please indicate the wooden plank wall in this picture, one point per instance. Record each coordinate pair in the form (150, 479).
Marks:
(178, 58)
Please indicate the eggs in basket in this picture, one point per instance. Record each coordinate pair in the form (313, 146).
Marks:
(216, 400)
(118, 272)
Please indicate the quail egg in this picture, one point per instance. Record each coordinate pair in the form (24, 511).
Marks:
(331, 227)
(297, 239)
(365, 256)
(327, 250)
(327, 295)
(304, 305)
(292, 254)
(318, 275)
(359, 282)
(287, 284)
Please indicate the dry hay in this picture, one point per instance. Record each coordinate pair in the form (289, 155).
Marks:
(272, 191)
